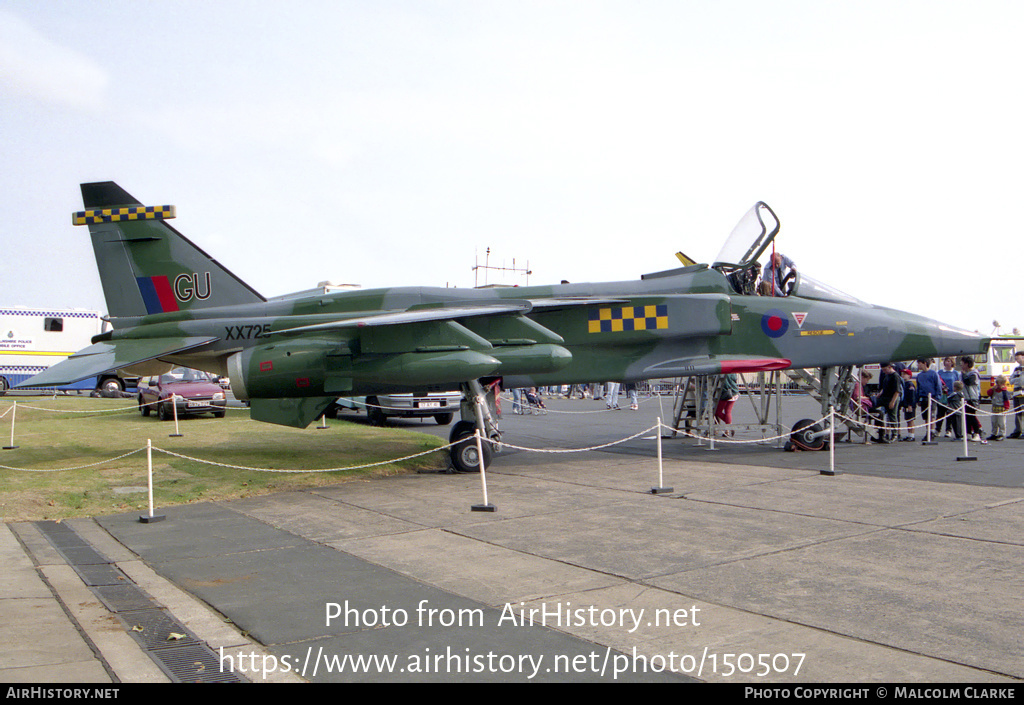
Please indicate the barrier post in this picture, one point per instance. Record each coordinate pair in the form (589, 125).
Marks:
(928, 434)
(150, 518)
(660, 489)
(963, 427)
(14, 412)
(323, 422)
(486, 506)
(174, 405)
(831, 442)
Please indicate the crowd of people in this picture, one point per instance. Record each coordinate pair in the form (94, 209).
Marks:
(527, 400)
(948, 399)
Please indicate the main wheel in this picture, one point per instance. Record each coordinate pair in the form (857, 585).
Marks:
(464, 454)
(804, 435)
(460, 429)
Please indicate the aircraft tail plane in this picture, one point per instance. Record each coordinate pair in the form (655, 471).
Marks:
(146, 266)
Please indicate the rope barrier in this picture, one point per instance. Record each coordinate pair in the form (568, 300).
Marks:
(577, 450)
(525, 404)
(78, 467)
(134, 408)
(935, 422)
(349, 467)
(497, 444)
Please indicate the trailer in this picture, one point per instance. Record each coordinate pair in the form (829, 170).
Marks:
(34, 339)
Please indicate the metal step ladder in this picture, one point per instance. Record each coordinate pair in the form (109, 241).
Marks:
(693, 410)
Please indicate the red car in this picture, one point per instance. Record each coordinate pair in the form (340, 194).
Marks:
(193, 391)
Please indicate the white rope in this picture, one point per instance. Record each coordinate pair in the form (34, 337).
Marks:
(496, 444)
(117, 410)
(350, 467)
(571, 450)
(78, 467)
(866, 421)
(525, 404)
(718, 439)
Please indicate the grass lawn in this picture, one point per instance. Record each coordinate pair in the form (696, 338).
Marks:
(49, 442)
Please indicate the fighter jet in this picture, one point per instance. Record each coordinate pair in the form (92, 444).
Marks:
(169, 304)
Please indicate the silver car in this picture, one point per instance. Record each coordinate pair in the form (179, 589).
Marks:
(441, 405)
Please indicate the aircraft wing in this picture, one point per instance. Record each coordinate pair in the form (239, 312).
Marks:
(571, 302)
(108, 356)
(715, 365)
(394, 318)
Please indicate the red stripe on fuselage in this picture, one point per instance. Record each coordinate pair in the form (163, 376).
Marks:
(761, 365)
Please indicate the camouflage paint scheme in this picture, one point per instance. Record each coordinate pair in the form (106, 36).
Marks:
(171, 304)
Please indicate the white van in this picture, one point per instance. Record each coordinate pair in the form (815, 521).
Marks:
(33, 339)
(999, 361)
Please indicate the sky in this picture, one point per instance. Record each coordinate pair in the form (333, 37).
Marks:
(390, 143)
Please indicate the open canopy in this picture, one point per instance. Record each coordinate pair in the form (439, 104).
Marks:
(749, 239)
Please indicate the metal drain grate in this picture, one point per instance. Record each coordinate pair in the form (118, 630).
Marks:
(82, 555)
(75, 550)
(193, 664)
(185, 660)
(105, 574)
(153, 628)
(60, 535)
(123, 598)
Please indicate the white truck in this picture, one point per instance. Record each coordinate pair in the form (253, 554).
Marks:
(33, 339)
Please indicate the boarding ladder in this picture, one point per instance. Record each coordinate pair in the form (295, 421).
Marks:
(693, 410)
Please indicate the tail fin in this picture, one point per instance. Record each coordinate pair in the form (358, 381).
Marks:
(148, 267)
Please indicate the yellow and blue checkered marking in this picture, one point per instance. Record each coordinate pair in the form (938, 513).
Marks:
(617, 319)
(113, 215)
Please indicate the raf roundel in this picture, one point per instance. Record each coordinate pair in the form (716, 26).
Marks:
(774, 323)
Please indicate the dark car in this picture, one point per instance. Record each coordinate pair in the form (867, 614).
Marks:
(193, 391)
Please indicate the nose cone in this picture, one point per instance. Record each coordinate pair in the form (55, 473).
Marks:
(926, 337)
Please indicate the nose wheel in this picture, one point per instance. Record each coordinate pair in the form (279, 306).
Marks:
(807, 435)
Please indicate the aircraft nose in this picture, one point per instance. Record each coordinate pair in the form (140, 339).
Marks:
(943, 339)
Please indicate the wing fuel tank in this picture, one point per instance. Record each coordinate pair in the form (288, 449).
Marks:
(529, 359)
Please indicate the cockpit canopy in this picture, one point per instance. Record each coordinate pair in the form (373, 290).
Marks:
(807, 288)
(748, 241)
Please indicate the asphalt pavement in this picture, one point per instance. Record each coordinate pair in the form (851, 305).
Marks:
(754, 567)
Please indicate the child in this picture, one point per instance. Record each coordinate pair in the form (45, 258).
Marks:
(728, 395)
(909, 403)
(954, 402)
(972, 392)
(534, 401)
(1002, 402)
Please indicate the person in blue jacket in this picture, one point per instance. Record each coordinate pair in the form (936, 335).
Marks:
(929, 391)
(950, 376)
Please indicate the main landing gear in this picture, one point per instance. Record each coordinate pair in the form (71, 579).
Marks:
(478, 412)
